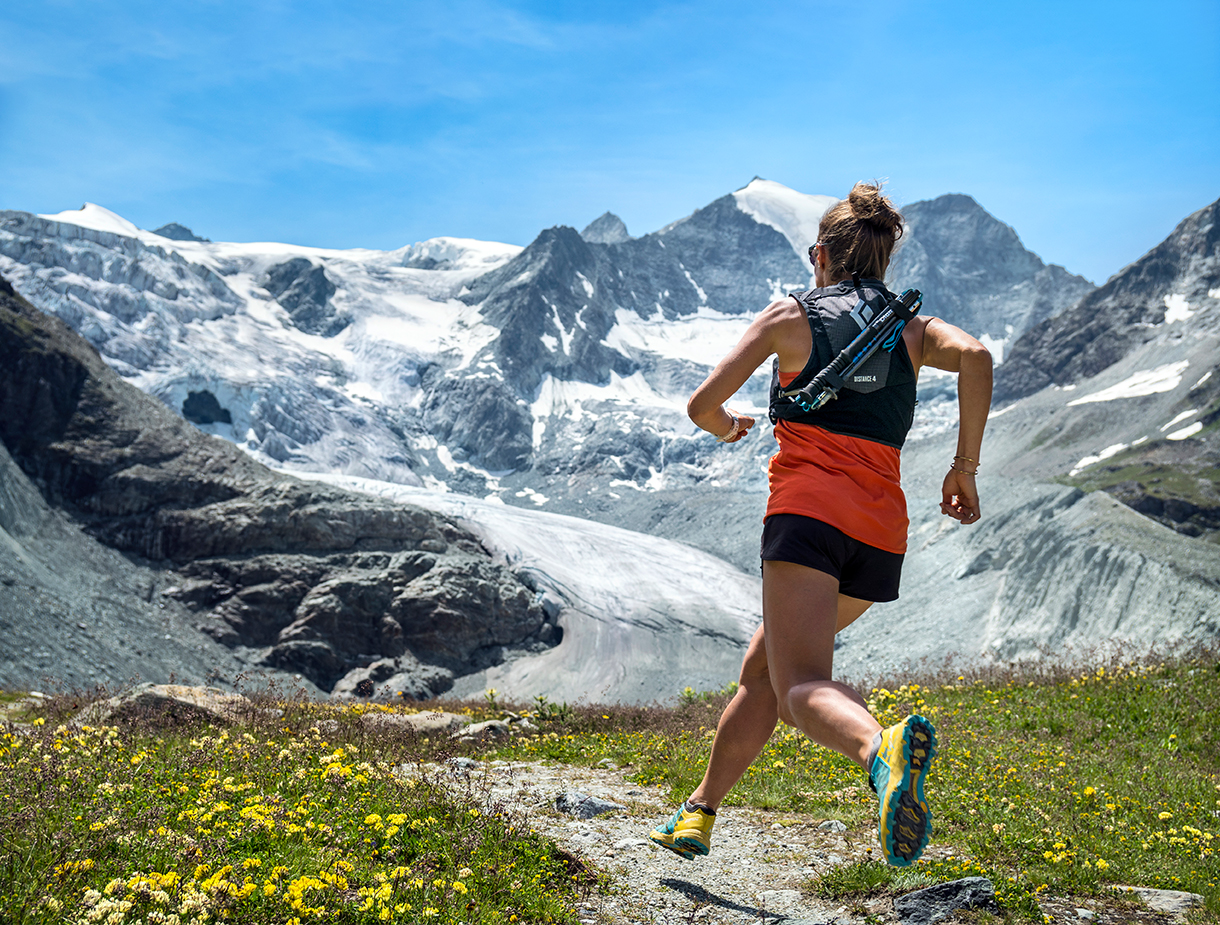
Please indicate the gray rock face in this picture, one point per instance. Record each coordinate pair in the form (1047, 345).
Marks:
(1121, 315)
(304, 291)
(940, 902)
(77, 613)
(1158, 317)
(974, 272)
(556, 302)
(322, 581)
(607, 228)
(481, 417)
(540, 293)
(176, 232)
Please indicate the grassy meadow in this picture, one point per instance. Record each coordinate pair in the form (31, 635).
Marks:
(1049, 782)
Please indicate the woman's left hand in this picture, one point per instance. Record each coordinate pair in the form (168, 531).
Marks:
(960, 497)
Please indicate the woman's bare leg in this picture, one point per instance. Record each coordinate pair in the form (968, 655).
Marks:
(800, 616)
(749, 719)
(745, 725)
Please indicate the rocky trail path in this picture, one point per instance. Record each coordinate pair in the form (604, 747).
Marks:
(758, 864)
(753, 875)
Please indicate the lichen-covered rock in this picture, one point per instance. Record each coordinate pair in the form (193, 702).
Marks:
(164, 704)
(940, 902)
(438, 723)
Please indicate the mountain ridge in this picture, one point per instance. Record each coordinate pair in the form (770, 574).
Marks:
(1107, 324)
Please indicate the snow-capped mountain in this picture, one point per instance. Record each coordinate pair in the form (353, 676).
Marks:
(304, 356)
(536, 375)
(132, 544)
(555, 376)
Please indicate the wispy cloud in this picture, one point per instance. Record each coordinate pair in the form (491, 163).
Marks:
(498, 117)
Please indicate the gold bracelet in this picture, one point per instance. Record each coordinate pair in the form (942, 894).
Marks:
(953, 468)
(967, 458)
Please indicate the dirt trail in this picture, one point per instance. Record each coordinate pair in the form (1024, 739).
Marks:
(758, 860)
(754, 874)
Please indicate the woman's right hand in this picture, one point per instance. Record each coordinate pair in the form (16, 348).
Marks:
(744, 423)
(960, 497)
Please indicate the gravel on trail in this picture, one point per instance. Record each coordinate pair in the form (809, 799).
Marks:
(759, 859)
(759, 869)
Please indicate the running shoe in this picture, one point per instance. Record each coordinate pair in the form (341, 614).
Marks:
(897, 775)
(687, 833)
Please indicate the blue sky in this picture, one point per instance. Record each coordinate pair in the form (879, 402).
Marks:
(1091, 128)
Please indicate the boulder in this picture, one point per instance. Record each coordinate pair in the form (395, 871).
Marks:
(1174, 902)
(164, 704)
(437, 723)
(940, 902)
(491, 729)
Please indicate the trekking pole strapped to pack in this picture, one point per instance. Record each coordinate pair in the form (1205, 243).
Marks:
(883, 332)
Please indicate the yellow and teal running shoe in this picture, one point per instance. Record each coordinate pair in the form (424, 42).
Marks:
(687, 833)
(897, 774)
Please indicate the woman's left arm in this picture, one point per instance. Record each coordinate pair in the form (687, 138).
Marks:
(950, 348)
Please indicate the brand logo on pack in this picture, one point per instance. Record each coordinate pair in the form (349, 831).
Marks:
(862, 314)
(864, 379)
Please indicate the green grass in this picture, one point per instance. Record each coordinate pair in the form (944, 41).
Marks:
(1197, 485)
(293, 818)
(1045, 783)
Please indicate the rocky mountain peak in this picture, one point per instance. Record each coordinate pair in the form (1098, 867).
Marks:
(974, 272)
(1134, 306)
(551, 311)
(607, 228)
(176, 232)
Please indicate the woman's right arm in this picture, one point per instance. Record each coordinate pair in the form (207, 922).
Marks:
(950, 348)
(762, 338)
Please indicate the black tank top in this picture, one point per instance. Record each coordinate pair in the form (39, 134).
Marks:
(878, 403)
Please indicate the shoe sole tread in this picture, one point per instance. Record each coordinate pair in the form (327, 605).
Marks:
(909, 825)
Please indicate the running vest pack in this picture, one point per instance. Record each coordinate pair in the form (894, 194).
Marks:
(878, 403)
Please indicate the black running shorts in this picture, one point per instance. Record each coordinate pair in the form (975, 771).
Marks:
(864, 572)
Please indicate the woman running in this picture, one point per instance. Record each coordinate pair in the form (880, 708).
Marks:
(835, 530)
